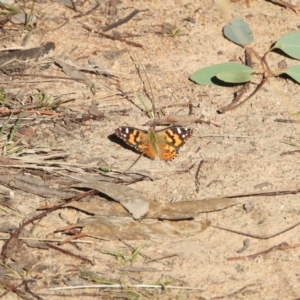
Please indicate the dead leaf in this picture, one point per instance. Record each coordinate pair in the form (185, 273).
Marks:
(163, 211)
(187, 209)
(4, 160)
(27, 131)
(128, 229)
(34, 185)
(73, 72)
(131, 199)
(22, 257)
(100, 207)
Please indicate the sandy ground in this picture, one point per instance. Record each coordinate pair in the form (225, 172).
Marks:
(243, 155)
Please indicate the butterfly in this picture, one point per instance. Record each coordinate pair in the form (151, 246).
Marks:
(164, 144)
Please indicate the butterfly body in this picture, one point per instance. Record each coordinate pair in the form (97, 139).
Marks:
(164, 144)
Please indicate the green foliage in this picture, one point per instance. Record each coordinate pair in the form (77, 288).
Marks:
(105, 169)
(11, 10)
(95, 278)
(7, 133)
(235, 76)
(171, 30)
(235, 73)
(45, 101)
(14, 129)
(239, 32)
(29, 21)
(3, 100)
(293, 72)
(122, 258)
(224, 72)
(289, 44)
(3, 127)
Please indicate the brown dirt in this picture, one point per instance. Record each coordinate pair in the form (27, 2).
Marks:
(243, 155)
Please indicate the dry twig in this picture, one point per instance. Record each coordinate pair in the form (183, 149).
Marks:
(282, 246)
(122, 21)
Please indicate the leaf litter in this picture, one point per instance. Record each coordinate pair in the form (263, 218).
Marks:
(119, 212)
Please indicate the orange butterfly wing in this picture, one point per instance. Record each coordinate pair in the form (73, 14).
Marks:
(136, 138)
(164, 144)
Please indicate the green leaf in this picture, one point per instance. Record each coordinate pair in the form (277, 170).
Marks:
(238, 32)
(208, 75)
(293, 72)
(235, 76)
(289, 44)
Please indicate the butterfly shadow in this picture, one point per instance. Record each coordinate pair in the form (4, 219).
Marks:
(113, 138)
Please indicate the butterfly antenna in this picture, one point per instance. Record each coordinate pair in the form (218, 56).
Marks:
(134, 163)
(148, 82)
